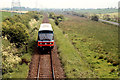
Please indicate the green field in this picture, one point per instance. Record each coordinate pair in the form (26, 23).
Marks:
(97, 11)
(74, 66)
(4, 15)
(95, 43)
(105, 14)
(112, 16)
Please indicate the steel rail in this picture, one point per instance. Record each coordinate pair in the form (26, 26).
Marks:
(53, 75)
(38, 69)
(52, 69)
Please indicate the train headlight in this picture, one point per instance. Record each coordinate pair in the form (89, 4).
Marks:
(51, 43)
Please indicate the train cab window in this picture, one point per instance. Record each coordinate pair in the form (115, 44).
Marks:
(45, 35)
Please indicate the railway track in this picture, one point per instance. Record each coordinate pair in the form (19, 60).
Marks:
(42, 65)
(45, 66)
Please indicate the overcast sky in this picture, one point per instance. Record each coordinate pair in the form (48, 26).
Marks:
(63, 3)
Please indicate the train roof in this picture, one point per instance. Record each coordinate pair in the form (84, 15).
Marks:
(45, 26)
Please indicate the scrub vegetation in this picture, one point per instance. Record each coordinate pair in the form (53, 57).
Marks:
(19, 34)
(94, 43)
(73, 64)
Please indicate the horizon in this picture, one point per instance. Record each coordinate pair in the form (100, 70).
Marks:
(64, 8)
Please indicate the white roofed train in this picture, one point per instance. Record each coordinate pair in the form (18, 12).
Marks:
(46, 36)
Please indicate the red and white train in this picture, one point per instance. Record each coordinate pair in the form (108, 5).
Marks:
(46, 36)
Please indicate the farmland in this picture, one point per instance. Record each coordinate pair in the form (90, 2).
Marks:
(98, 11)
(4, 15)
(96, 44)
(109, 14)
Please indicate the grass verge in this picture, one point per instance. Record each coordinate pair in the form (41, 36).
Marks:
(73, 64)
(97, 43)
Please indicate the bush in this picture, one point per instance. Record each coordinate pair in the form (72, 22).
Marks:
(94, 18)
(52, 15)
(56, 22)
(5, 28)
(57, 18)
(36, 17)
(107, 17)
(9, 20)
(101, 57)
(60, 16)
(82, 15)
(16, 33)
(115, 63)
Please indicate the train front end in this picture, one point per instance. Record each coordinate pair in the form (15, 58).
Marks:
(46, 37)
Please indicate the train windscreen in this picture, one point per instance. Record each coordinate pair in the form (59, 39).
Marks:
(45, 35)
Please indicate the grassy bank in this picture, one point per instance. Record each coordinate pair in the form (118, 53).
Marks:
(16, 60)
(73, 64)
(97, 43)
(22, 58)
